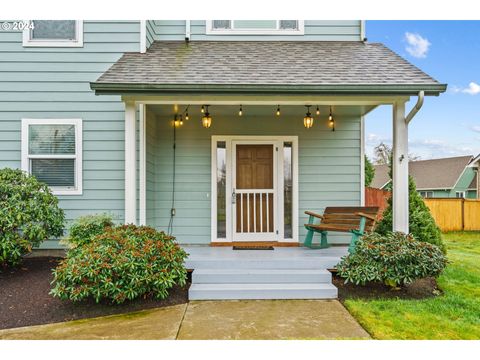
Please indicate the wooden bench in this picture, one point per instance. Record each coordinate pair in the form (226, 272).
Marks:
(354, 220)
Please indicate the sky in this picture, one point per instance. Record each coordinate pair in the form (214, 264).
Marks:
(449, 51)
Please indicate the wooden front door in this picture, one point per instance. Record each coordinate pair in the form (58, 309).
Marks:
(254, 192)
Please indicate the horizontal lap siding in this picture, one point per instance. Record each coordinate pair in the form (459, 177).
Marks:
(54, 83)
(315, 30)
(329, 168)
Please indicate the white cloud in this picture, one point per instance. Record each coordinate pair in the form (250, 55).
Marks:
(417, 45)
(472, 89)
(476, 128)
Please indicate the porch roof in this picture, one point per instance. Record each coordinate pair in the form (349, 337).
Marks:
(323, 67)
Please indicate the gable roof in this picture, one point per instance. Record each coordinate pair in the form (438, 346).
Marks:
(310, 66)
(428, 174)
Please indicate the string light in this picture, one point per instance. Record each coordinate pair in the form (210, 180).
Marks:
(278, 110)
(331, 121)
(202, 109)
(318, 111)
(186, 116)
(308, 119)
(240, 112)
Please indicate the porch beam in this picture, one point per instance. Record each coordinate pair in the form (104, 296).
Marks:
(252, 99)
(130, 164)
(400, 169)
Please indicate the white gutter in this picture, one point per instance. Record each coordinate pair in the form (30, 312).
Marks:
(187, 30)
(416, 108)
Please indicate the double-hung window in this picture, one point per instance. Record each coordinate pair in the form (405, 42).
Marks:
(255, 27)
(56, 33)
(52, 152)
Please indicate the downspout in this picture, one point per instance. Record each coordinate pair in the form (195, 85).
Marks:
(416, 108)
(187, 30)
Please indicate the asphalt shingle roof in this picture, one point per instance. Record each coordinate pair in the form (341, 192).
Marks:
(428, 174)
(286, 63)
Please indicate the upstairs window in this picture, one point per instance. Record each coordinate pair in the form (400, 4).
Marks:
(255, 27)
(54, 33)
(52, 152)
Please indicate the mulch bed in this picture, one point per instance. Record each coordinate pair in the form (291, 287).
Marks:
(419, 289)
(24, 298)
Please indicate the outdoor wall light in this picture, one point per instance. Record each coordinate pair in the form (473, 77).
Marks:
(308, 119)
(331, 121)
(278, 110)
(206, 119)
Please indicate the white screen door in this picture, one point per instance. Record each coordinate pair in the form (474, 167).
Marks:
(254, 191)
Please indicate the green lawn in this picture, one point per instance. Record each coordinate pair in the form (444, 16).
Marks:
(453, 315)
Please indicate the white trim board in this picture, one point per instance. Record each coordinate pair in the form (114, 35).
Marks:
(142, 203)
(229, 139)
(78, 190)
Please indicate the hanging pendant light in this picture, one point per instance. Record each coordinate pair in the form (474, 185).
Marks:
(206, 119)
(278, 110)
(331, 121)
(308, 119)
(318, 111)
(240, 112)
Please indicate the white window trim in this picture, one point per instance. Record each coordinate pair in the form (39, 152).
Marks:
(78, 190)
(462, 193)
(78, 42)
(295, 184)
(211, 31)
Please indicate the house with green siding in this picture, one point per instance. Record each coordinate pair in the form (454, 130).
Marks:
(217, 131)
(453, 177)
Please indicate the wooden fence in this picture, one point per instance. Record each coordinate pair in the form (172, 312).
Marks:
(376, 197)
(453, 214)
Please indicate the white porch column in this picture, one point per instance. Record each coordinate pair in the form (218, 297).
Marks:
(400, 168)
(130, 165)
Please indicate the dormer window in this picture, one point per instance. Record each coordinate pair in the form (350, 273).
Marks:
(255, 27)
(54, 33)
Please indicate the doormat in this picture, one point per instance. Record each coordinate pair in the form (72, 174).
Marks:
(253, 247)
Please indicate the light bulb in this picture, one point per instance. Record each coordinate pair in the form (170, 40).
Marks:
(278, 110)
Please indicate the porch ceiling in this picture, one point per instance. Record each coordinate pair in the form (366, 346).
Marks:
(266, 67)
(289, 111)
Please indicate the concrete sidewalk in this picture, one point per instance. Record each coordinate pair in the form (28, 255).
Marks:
(210, 320)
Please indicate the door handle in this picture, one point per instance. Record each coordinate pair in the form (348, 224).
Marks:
(234, 197)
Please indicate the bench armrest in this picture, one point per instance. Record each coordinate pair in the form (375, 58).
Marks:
(314, 214)
(371, 217)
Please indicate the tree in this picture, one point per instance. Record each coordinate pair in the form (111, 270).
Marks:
(369, 171)
(422, 224)
(383, 153)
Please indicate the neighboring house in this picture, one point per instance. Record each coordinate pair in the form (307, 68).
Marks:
(89, 107)
(437, 178)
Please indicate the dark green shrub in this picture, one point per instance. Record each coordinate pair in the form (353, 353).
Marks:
(85, 228)
(124, 262)
(29, 214)
(394, 259)
(422, 224)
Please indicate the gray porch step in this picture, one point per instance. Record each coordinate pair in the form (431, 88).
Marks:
(261, 291)
(319, 263)
(260, 276)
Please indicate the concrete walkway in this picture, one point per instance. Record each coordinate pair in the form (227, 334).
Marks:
(209, 320)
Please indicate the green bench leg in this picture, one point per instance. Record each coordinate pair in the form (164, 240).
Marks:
(356, 234)
(308, 239)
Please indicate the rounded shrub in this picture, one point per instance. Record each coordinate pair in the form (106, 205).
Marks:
(85, 228)
(123, 262)
(29, 214)
(395, 259)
